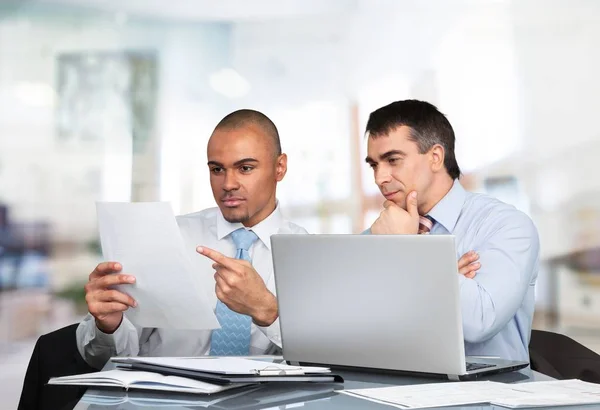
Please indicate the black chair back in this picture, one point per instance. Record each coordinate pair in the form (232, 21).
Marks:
(55, 354)
(561, 357)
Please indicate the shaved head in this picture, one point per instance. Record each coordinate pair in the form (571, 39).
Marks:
(245, 164)
(247, 118)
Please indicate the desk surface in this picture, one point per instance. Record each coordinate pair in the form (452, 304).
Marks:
(283, 396)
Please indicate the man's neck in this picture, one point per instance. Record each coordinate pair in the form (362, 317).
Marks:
(439, 189)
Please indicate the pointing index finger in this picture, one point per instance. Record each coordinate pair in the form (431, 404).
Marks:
(215, 256)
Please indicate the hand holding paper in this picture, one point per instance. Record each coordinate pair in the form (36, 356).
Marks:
(105, 304)
(145, 239)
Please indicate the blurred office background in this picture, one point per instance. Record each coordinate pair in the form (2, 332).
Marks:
(115, 100)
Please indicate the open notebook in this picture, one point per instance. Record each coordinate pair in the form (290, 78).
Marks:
(128, 379)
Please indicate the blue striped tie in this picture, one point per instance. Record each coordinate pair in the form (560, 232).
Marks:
(233, 338)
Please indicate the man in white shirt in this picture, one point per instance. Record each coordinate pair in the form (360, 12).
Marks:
(245, 163)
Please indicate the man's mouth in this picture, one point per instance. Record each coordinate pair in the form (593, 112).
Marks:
(389, 195)
(232, 201)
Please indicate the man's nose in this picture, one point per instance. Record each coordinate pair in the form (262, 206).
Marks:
(382, 176)
(230, 183)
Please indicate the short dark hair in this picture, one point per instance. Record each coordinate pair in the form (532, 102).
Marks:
(244, 117)
(428, 127)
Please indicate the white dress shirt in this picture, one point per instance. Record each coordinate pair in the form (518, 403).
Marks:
(497, 304)
(205, 228)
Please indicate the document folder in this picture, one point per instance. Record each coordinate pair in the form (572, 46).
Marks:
(224, 371)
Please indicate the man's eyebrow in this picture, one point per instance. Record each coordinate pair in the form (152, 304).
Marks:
(391, 153)
(385, 156)
(244, 161)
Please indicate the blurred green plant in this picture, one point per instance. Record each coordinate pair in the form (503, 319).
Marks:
(94, 246)
(75, 293)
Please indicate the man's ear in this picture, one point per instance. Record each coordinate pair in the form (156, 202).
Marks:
(436, 158)
(281, 167)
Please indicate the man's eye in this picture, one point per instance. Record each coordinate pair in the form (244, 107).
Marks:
(216, 170)
(373, 165)
(392, 161)
(246, 168)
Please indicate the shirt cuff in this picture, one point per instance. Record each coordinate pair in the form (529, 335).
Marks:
(273, 332)
(118, 339)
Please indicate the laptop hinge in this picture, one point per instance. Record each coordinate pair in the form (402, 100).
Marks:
(453, 377)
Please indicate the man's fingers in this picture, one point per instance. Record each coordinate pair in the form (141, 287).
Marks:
(108, 308)
(387, 204)
(473, 267)
(471, 275)
(112, 280)
(221, 284)
(228, 277)
(412, 205)
(116, 296)
(220, 294)
(105, 268)
(467, 259)
(216, 256)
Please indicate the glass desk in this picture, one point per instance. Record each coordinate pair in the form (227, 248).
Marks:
(279, 396)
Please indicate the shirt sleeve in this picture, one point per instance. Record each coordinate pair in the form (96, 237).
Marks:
(509, 258)
(96, 347)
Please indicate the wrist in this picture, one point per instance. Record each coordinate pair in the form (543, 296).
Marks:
(268, 312)
(109, 327)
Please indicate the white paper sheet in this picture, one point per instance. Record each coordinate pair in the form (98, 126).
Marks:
(552, 393)
(429, 395)
(145, 239)
(522, 395)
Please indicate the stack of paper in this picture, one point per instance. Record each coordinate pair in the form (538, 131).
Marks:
(524, 395)
(197, 375)
(225, 370)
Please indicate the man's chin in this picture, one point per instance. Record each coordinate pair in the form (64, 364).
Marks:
(399, 199)
(234, 215)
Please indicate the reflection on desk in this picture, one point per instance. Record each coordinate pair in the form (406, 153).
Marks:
(251, 398)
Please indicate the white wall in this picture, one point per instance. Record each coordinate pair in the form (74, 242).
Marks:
(47, 181)
(518, 81)
(557, 47)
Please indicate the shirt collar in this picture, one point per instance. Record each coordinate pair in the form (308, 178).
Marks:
(264, 229)
(447, 211)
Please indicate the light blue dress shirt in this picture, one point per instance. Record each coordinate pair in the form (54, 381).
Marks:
(498, 304)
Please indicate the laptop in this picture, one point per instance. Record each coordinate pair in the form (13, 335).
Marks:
(380, 302)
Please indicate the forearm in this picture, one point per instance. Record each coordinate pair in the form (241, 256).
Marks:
(267, 312)
(479, 314)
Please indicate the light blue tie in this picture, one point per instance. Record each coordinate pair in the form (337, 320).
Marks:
(233, 338)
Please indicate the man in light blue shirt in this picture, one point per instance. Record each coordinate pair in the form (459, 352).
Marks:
(411, 151)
